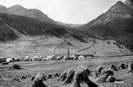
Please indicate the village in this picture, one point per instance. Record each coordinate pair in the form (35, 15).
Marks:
(66, 43)
(66, 56)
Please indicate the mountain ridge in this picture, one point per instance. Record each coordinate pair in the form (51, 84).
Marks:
(33, 13)
(115, 24)
(22, 11)
(3, 9)
(33, 36)
(129, 3)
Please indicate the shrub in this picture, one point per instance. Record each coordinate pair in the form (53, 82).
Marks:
(16, 66)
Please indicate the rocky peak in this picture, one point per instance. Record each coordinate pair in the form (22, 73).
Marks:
(36, 13)
(129, 3)
(3, 9)
(17, 10)
(17, 7)
(120, 7)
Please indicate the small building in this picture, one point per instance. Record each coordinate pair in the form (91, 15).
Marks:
(2, 59)
(84, 55)
(37, 58)
(58, 57)
(81, 57)
(9, 60)
(44, 58)
(27, 58)
(69, 58)
(49, 57)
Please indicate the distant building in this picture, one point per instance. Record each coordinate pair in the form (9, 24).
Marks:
(9, 59)
(27, 58)
(81, 57)
(49, 57)
(84, 55)
(2, 59)
(37, 58)
(58, 57)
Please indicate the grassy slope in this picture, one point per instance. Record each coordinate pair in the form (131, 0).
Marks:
(28, 31)
(31, 26)
(115, 24)
(32, 37)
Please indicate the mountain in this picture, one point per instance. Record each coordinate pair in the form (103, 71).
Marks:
(116, 24)
(3, 9)
(129, 3)
(22, 36)
(6, 33)
(32, 27)
(17, 10)
(25, 36)
(23, 33)
(33, 13)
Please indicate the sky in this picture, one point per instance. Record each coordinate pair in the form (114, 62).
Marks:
(66, 11)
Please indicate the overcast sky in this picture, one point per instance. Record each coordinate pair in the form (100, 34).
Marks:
(67, 11)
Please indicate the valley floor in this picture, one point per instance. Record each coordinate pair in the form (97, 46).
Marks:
(31, 68)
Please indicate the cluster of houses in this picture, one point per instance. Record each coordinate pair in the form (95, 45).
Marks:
(5, 59)
(46, 58)
(57, 57)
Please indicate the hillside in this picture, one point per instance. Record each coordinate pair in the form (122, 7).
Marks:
(129, 3)
(32, 13)
(3, 9)
(28, 36)
(21, 11)
(25, 36)
(29, 26)
(114, 24)
(6, 33)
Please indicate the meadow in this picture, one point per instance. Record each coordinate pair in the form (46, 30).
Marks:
(31, 68)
